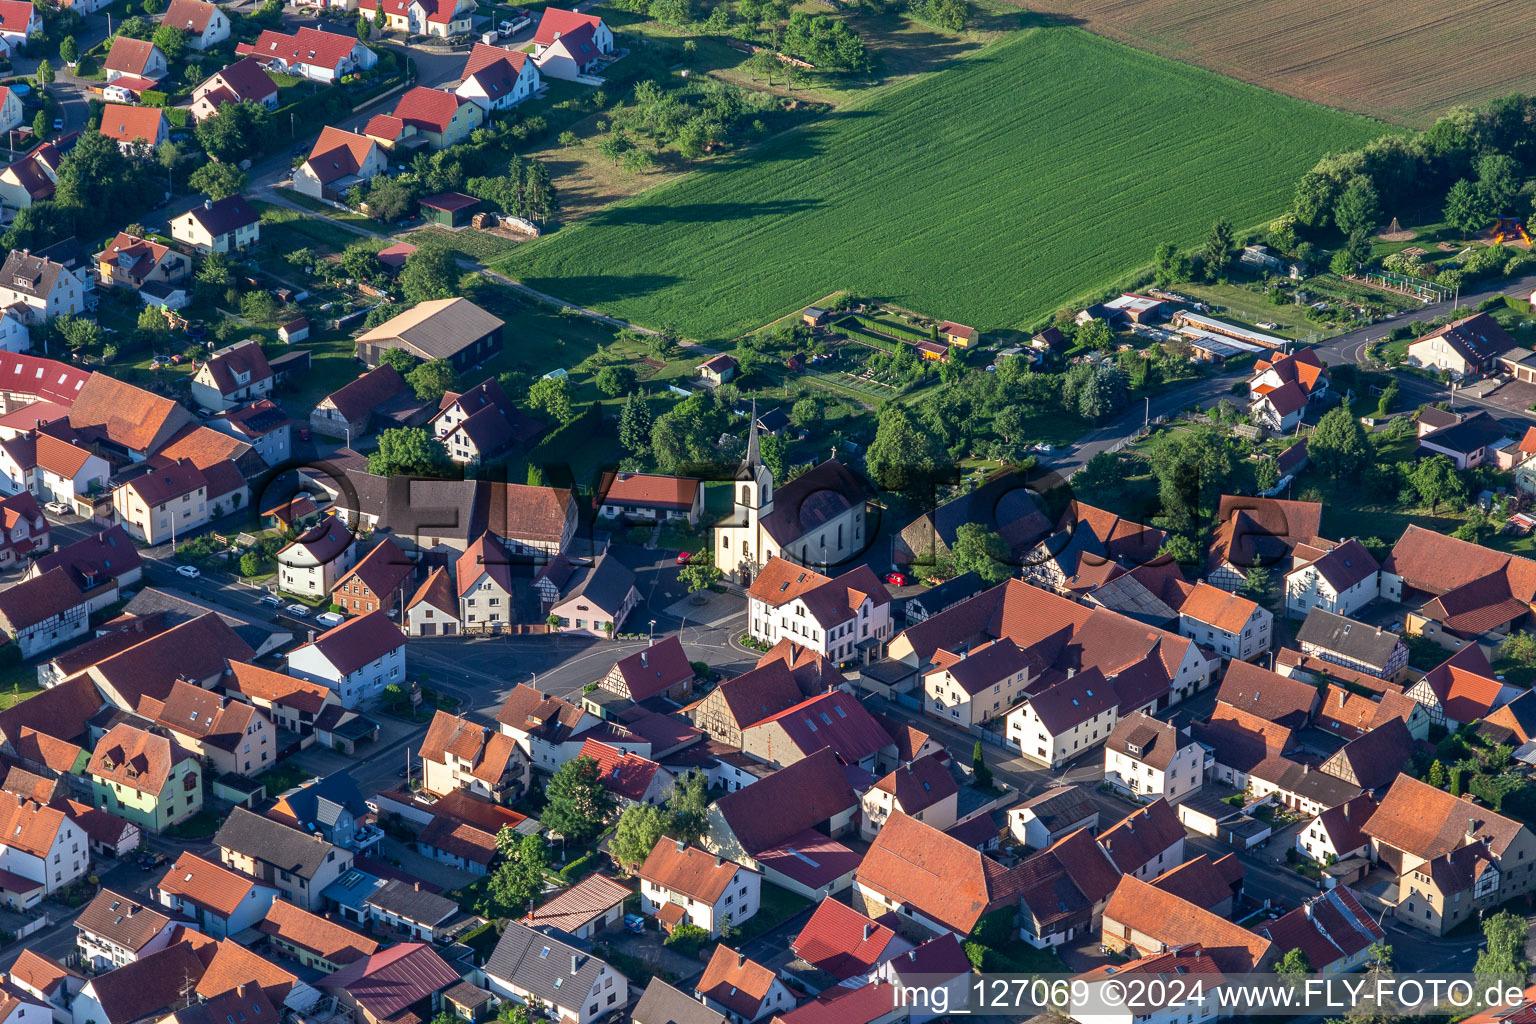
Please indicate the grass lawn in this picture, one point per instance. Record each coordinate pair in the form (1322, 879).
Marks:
(17, 683)
(286, 230)
(199, 826)
(777, 906)
(1013, 201)
(326, 209)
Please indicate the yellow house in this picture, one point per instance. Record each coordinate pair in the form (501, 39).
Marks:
(144, 777)
(959, 335)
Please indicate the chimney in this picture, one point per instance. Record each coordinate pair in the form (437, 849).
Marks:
(240, 991)
(911, 954)
(416, 886)
(1341, 698)
(682, 847)
(1305, 769)
(575, 962)
(311, 636)
(643, 660)
(719, 860)
(867, 929)
(207, 204)
(1471, 827)
(741, 959)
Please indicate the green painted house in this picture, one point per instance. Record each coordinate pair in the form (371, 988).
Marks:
(145, 777)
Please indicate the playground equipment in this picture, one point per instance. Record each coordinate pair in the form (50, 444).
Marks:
(1508, 229)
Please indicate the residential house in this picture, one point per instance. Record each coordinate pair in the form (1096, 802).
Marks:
(149, 987)
(1460, 689)
(298, 864)
(1356, 645)
(42, 613)
(310, 53)
(928, 878)
(1469, 443)
(1334, 931)
(39, 288)
(339, 161)
(23, 529)
(392, 984)
(51, 468)
(1088, 548)
(145, 777)
(377, 399)
(1335, 834)
(10, 110)
(843, 944)
(434, 609)
(647, 497)
(482, 422)
(1238, 743)
(835, 720)
(590, 906)
(292, 704)
(1469, 347)
(132, 262)
(130, 126)
(661, 669)
(42, 850)
(743, 990)
(263, 425)
(1464, 592)
(243, 80)
(1342, 580)
(534, 523)
(737, 704)
(48, 980)
(222, 902)
(548, 729)
(316, 942)
(439, 116)
(223, 226)
(660, 1003)
(32, 177)
(1006, 504)
(923, 790)
(440, 18)
(18, 25)
(196, 650)
(376, 583)
(1146, 842)
(766, 522)
(204, 24)
(1145, 757)
(114, 930)
(1150, 920)
(1351, 715)
(631, 778)
(1065, 718)
(332, 808)
(134, 58)
(844, 618)
(1052, 815)
(1260, 533)
(497, 79)
(1453, 858)
(236, 374)
(459, 754)
(313, 562)
(787, 826)
(486, 592)
(597, 598)
(682, 884)
(453, 329)
(1272, 697)
(1282, 388)
(568, 45)
(1190, 962)
(357, 659)
(1233, 626)
(569, 981)
(160, 500)
(229, 735)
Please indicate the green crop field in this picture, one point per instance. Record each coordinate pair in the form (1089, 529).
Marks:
(1044, 167)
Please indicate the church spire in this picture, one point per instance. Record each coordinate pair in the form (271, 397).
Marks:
(754, 458)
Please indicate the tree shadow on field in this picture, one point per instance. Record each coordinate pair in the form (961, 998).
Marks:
(652, 214)
(588, 289)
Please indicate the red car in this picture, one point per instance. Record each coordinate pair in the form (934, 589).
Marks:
(896, 579)
(683, 557)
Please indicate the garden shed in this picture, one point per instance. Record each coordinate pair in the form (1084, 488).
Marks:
(450, 209)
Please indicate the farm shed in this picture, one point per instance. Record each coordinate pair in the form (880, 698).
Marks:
(294, 330)
(450, 209)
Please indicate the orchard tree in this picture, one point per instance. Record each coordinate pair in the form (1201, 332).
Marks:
(408, 451)
(615, 379)
(1436, 480)
(218, 180)
(553, 396)
(1339, 446)
(431, 379)
(639, 829)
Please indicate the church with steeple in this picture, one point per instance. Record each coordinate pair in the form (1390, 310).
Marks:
(817, 519)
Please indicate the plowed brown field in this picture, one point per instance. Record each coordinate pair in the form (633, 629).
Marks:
(1405, 61)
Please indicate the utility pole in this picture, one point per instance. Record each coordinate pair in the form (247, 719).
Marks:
(1146, 423)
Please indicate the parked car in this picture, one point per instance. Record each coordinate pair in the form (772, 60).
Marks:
(191, 572)
(330, 618)
(411, 769)
(58, 508)
(58, 124)
(271, 598)
(683, 557)
(896, 579)
(634, 923)
(298, 611)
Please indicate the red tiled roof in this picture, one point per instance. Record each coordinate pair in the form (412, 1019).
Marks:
(1417, 818)
(129, 55)
(654, 669)
(556, 22)
(1141, 836)
(246, 79)
(338, 153)
(623, 773)
(841, 941)
(207, 884)
(688, 870)
(1173, 922)
(428, 109)
(788, 802)
(126, 124)
(647, 490)
(1267, 695)
(190, 15)
(359, 641)
(735, 982)
(1464, 684)
(306, 46)
(390, 981)
(835, 721)
(921, 867)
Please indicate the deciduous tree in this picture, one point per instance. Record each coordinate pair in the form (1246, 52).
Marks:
(1338, 446)
(577, 803)
(431, 272)
(218, 180)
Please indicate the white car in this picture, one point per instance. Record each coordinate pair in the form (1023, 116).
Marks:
(298, 611)
(1046, 448)
(191, 572)
(58, 508)
(330, 619)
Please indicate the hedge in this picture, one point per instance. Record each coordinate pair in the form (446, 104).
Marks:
(580, 867)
